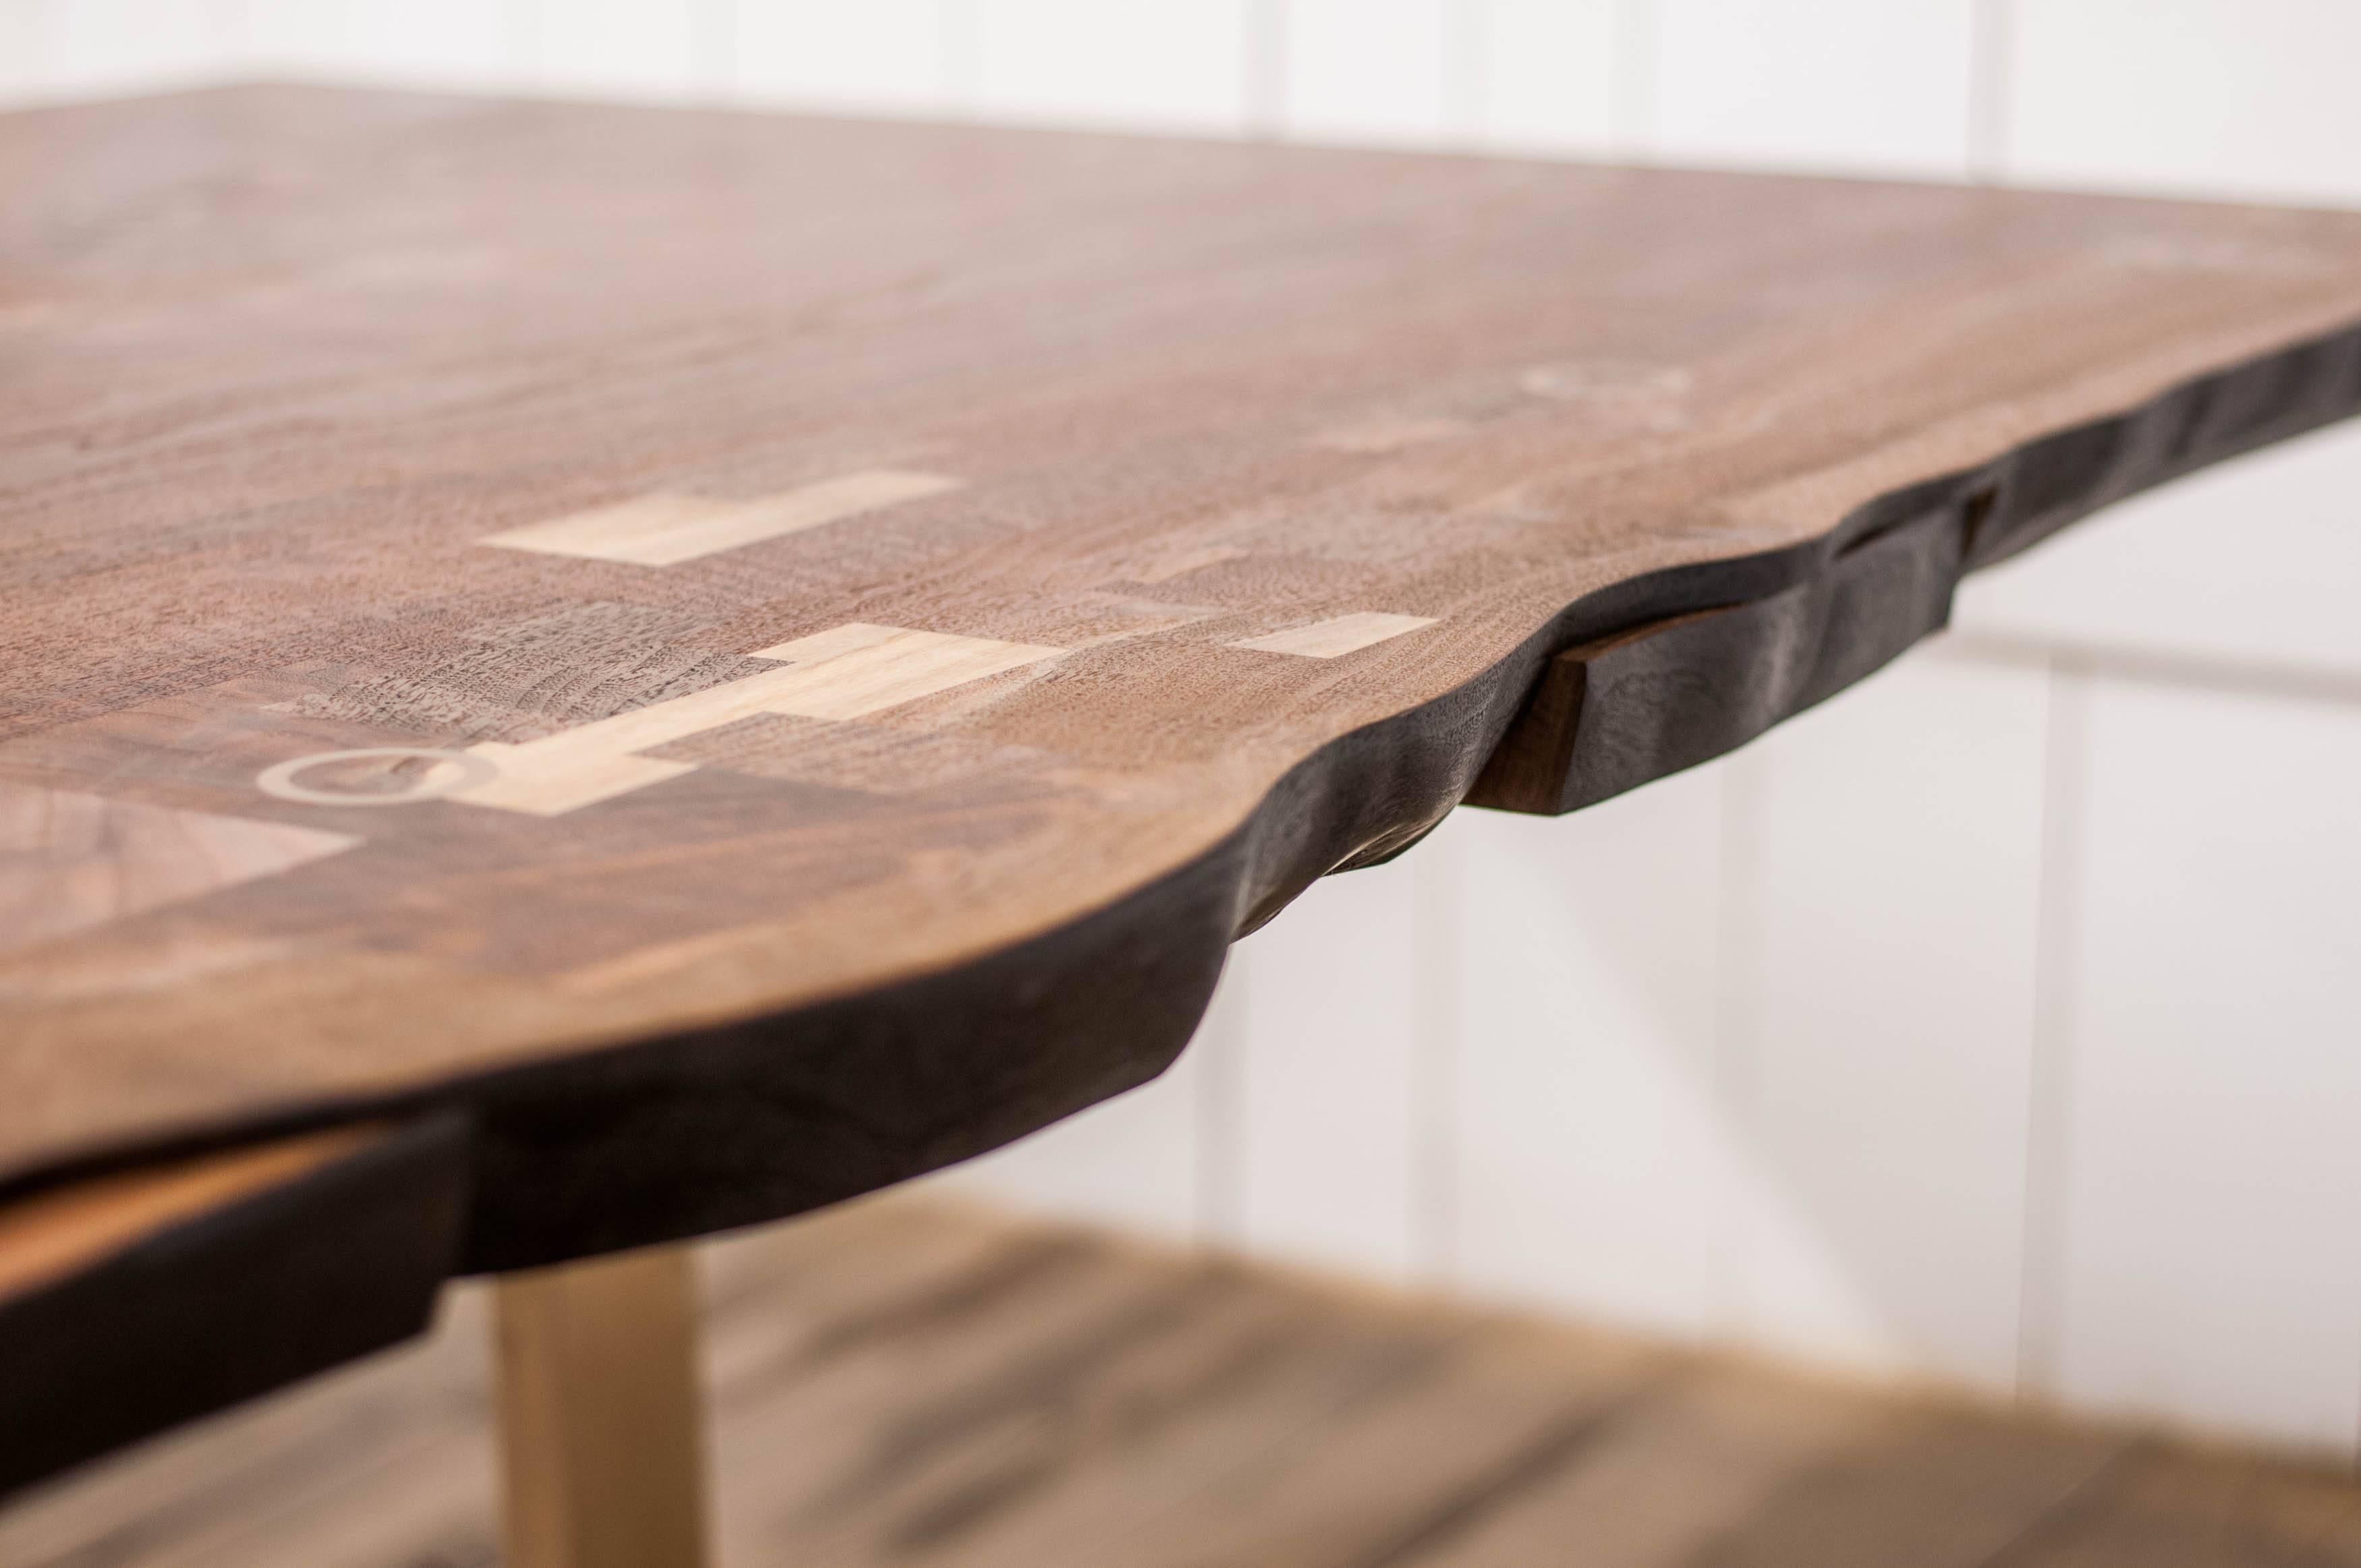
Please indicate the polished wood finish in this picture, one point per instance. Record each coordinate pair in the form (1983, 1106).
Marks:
(736, 660)
(603, 1414)
(916, 1382)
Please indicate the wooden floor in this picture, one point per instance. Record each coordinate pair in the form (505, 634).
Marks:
(910, 1380)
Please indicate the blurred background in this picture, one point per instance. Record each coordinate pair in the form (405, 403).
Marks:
(1996, 1026)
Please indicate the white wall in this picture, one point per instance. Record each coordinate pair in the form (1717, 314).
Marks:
(1995, 1023)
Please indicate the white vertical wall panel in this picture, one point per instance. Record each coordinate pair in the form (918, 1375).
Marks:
(1162, 65)
(1330, 1072)
(2254, 562)
(651, 50)
(2211, 1173)
(1544, 74)
(1365, 71)
(432, 43)
(2201, 1270)
(22, 51)
(1883, 1021)
(96, 47)
(1866, 85)
(886, 55)
(1130, 1161)
(1592, 1160)
(2228, 97)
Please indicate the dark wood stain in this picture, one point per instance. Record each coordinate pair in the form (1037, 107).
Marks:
(290, 1259)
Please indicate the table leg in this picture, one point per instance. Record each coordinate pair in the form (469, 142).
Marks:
(602, 1434)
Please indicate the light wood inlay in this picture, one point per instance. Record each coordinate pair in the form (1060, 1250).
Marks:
(1341, 635)
(71, 861)
(859, 670)
(844, 673)
(665, 530)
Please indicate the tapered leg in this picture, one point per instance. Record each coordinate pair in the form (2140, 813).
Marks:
(602, 1431)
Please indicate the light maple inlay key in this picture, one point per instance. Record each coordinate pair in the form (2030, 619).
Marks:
(1341, 634)
(845, 673)
(664, 529)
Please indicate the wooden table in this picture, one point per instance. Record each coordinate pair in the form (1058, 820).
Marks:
(581, 676)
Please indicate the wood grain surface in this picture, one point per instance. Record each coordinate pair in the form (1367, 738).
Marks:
(906, 1381)
(758, 657)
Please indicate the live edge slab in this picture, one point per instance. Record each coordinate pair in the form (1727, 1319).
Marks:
(571, 676)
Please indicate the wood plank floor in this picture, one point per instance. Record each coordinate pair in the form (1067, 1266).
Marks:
(910, 1380)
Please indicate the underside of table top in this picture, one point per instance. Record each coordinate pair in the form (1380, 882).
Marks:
(841, 624)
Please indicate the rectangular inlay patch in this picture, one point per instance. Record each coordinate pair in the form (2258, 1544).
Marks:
(845, 673)
(663, 530)
(71, 861)
(1343, 634)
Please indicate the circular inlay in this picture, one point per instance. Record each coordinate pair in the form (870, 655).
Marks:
(456, 771)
